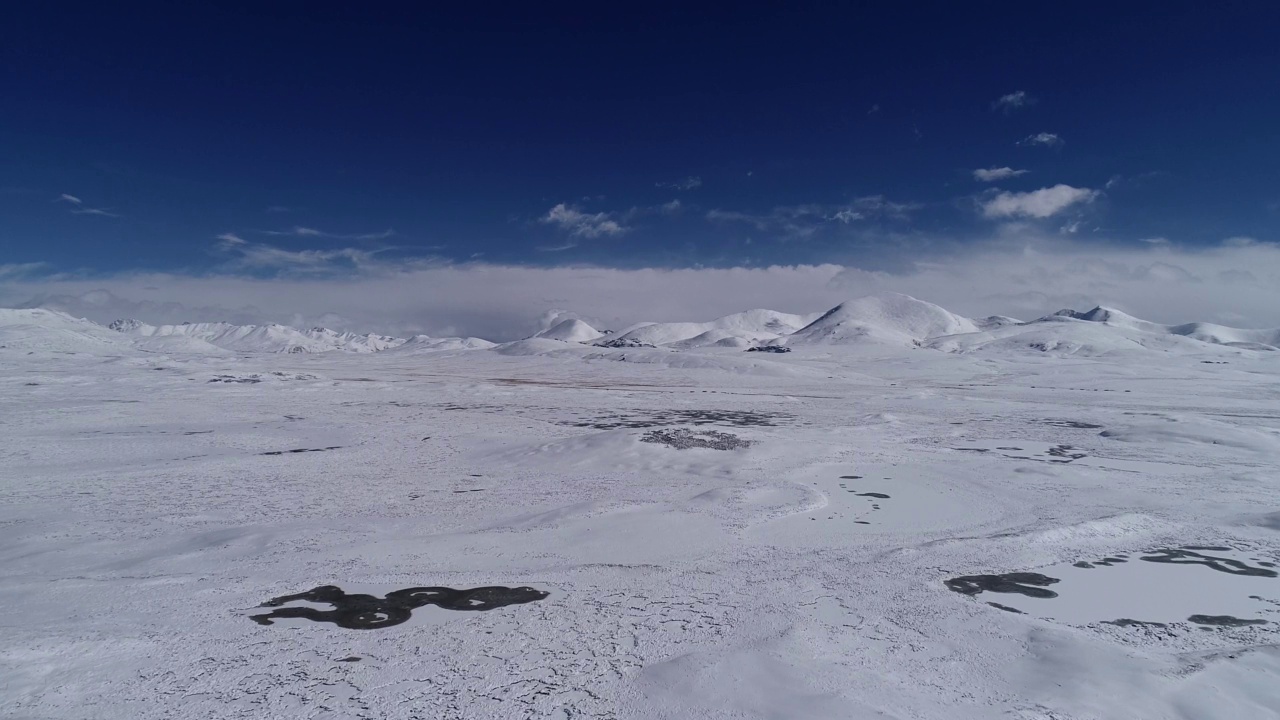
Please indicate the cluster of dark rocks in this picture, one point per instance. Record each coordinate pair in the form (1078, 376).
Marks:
(683, 439)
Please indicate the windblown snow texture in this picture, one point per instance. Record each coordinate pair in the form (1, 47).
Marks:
(912, 514)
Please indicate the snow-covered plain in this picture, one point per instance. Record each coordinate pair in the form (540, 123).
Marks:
(153, 495)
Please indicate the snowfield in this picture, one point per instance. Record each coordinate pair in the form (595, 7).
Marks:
(918, 516)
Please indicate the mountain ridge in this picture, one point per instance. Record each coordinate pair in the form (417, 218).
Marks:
(880, 320)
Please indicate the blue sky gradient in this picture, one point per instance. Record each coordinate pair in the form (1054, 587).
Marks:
(200, 137)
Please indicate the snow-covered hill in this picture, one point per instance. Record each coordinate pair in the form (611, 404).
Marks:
(1204, 332)
(261, 338)
(39, 330)
(571, 330)
(427, 344)
(751, 326)
(888, 318)
(1105, 331)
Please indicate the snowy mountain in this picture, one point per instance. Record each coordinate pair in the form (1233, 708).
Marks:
(426, 344)
(1204, 332)
(749, 327)
(39, 330)
(888, 318)
(1104, 331)
(259, 338)
(571, 330)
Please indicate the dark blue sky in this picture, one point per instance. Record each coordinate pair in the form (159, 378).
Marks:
(786, 135)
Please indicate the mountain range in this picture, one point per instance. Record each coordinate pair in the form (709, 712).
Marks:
(884, 320)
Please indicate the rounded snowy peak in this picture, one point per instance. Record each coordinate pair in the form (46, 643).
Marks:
(890, 318)
(571, 330)
(38, 329)
(1100, 314)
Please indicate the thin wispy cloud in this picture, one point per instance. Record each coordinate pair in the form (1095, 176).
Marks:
(874, 109)
(1044, 139)
(79, 208)
(557, 248)
(689, 183)
(878, 206)
(249, 256)
(580, 224)
(10, 271)
(995, 174)
(1038, 204)
(799, 222)
(668, 210)
(310, 232)
(1012, 101)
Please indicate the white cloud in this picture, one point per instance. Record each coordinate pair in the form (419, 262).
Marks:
(1042, 203)
(690, 183)
(69, 198)
(1013, 101)
(994, 174)
(1046, 139)
(580, 224)
(671, 208)
(874, 109)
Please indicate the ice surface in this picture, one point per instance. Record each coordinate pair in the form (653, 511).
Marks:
(1132, 587)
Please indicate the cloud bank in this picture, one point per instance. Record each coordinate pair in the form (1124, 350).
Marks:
(1016, 273)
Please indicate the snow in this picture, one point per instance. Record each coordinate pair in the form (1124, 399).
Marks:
(50, 331)
(749, 326)
(261, 338)
(889, 318)
(425, 344)
(571, 330)
(158, 486)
